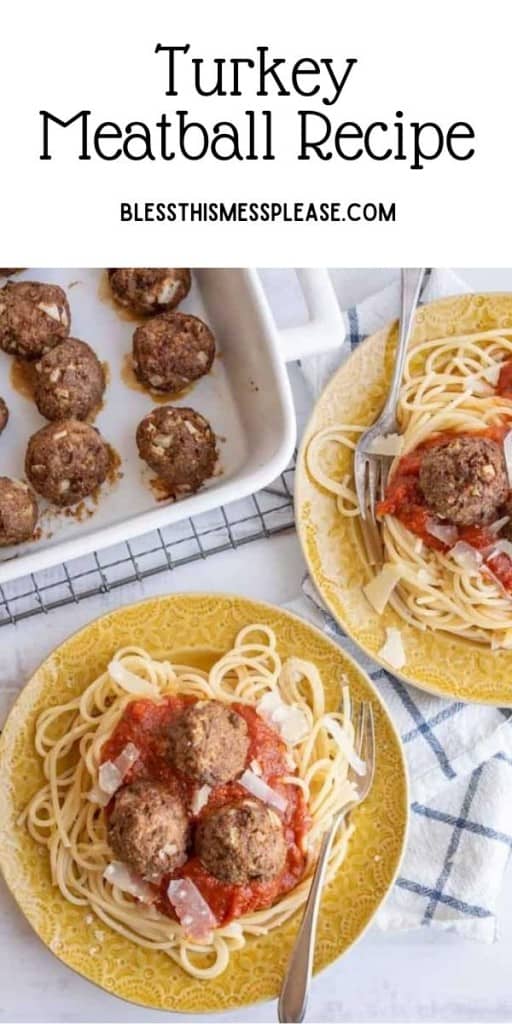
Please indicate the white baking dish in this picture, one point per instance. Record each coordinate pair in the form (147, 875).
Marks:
(246, 398)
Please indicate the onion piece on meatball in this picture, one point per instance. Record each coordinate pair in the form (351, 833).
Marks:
(242, 842)
(149, 290)
(465, 479)
(148, 829)
(209, 742)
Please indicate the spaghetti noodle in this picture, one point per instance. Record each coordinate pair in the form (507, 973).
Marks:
(64, 816)
(451, 385)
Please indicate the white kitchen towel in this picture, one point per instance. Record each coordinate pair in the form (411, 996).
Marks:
(459, 755)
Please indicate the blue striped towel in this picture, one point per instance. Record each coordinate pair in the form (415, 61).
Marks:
(459, 755)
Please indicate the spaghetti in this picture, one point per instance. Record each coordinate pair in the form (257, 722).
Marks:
(451, 385)
(64, 815)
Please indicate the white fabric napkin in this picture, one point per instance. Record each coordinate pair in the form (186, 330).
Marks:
(459, 755)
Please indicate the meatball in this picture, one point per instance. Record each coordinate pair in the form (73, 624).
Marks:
(4, 415)
(209, 742)
(33, 318)
(148, 829)
(69, 381)
(18, 511)
(149, 290)
(465, 480)
(66, 461)
(172, 350)
(242, 842)
(180, 447)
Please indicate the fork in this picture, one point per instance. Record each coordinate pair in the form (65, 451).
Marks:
(295, 989)
(370, 469)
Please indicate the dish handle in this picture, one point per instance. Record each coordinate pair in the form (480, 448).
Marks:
(325, 328)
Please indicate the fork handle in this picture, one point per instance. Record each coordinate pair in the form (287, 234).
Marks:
(295, 990)
(412, 280)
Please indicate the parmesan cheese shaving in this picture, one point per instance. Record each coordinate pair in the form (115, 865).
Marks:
(469, 559)
(123, 878)
(129, 681)
(192, 910)
(507, 451)
(393, 649)
(257, 787)
(387, 444)
(445, 533)
(501, 547)
(200, 799)
(289, 720)
(378, 591)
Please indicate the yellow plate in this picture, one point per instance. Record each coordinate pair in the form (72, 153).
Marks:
(164, 625)
(437, 662)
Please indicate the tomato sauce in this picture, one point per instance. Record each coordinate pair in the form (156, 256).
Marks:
(504, 385)
(404, 500)
(145, 723)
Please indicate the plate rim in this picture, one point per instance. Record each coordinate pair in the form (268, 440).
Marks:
(230, 596)
(302, 472)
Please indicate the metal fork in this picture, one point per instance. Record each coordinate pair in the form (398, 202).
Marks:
(295, 989)
(370, 469)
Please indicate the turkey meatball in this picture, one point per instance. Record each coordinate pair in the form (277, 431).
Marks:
(66, 461)
(172, 350)
(69, 381)
(33, 318)
(18, 511)
(242, 842)
(209, 742)
(148, 829)
(179, 446)
(149, 290)
(4, 415)
(465, 479)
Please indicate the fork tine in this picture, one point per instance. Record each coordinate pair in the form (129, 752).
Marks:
(374, 477)
(360, 464)
(368, 749)
(361, 729)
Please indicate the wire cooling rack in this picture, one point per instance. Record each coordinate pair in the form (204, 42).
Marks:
(264, 514)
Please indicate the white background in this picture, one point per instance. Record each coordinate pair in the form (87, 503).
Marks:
(420, 976)
(435, 61)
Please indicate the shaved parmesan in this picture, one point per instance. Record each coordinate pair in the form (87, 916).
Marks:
(501, 547)
(200, 799)
(378, 591)
(255, 767)
(258, 787)
(393, 649)
(499, 524)
(469, 559)
(492, 374)
(167, 292)
(192, 910)
(129, 681)
(338, 732)
(502, 641)
(112, 773)
(289, 720)
(388, 444)
(123, 878)
(109, 777)
(507, 451)
(443, 532)
(53, 311)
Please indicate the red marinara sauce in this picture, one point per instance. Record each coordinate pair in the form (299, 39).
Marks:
(504, 385)
(404, 500)
(145, 723)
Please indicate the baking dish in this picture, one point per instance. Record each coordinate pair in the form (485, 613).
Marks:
(247, 399)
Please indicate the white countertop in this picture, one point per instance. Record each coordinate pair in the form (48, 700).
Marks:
(419, 976)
